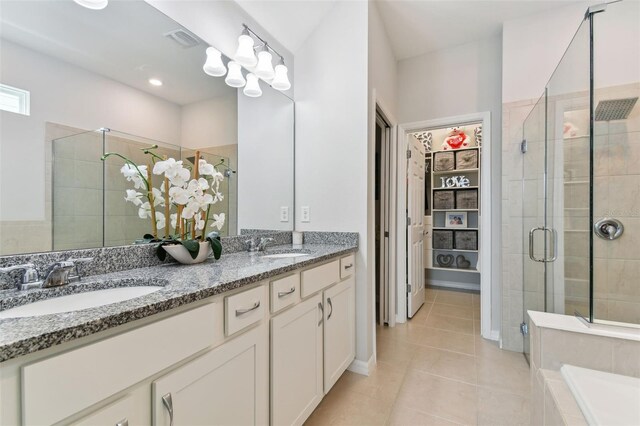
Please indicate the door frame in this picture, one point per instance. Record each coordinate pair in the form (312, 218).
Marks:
(487, 274)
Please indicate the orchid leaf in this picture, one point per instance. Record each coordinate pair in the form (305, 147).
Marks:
(192, 246)
(216, 245)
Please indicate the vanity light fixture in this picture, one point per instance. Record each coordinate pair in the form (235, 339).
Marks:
(245, 54)
(264, 70)
(214, 65)
(93, 4)
(155, 82)
(252, 89)
(234, 76)
(281, 80)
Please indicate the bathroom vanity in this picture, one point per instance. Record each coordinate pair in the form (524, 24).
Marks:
(250, 339)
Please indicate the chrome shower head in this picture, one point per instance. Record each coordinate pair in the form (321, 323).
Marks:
(614, 109)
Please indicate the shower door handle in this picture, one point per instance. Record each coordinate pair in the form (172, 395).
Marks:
(531, 233)
(554, 245)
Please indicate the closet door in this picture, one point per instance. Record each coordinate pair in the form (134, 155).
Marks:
(415, 225)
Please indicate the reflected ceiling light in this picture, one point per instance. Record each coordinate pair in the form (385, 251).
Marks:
(93, 4)
(245, 54)
(155, 82)
(214, 65)
(281, 80)
(252, 89)
(264, 70)
(234, 77)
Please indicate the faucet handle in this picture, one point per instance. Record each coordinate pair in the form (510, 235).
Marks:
(29, 274)
(250, 244)
(76, 262)
(264, 241)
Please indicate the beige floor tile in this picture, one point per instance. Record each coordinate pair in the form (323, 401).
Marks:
(430, 294)
(423, 313)
(486, 348)
(351, 408)
(458, 325)
(508, 372)
(452, 311)
(497, 408)
(404, 416)
(477, 327)
(449, 399)
(383, 383)
(476, 314)
(400, 355)
(451, 365)
(448, 340)
(454, 298)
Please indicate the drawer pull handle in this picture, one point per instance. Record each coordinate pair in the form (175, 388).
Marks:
(321, 310)
(244, 311)
(123, 422)
(331, 306)
(284, 293)
(349, 266)
(168, 404)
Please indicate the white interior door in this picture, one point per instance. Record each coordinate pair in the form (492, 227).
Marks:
(415, 225)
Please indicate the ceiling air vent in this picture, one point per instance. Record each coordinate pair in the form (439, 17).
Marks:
(185, 39)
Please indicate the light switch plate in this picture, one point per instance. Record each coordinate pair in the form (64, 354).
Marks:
(284, 214)
(305, 214)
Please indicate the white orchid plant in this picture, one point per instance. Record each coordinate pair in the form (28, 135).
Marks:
(184, 199)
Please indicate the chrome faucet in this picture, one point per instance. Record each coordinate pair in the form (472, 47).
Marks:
(57, 274)
(253, 246)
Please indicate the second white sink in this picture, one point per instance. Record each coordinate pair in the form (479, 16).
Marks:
(79, 301)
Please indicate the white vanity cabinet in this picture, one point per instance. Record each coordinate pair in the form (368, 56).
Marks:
(226, 386)
(313, 342)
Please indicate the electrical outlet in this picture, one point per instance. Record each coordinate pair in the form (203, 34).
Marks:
(284, 214)
(305, 214)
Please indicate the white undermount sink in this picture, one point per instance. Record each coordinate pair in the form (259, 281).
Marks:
(79, 301)
(284, 255)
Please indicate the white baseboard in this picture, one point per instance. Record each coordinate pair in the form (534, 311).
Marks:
(362, 367)
(453, 284)
(495, 335)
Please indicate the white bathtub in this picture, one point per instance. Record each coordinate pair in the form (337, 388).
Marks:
(605, 399)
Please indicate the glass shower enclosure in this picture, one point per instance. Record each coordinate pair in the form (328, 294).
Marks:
(581, 177)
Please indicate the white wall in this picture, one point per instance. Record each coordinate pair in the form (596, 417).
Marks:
(331, 140)
(532, 48)
(212, 122)
(219, 23)
(458, 81)
(68, 95)
(265, 156)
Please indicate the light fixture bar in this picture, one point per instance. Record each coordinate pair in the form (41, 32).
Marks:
(264, 43)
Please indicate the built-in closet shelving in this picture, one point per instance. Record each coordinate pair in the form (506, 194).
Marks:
(458, 274)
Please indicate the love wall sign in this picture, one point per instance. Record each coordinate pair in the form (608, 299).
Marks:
(455, 182)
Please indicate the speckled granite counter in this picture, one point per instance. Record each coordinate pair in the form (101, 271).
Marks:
(181, 285)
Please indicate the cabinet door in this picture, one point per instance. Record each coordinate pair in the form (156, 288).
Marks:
(130, 410)
(339, 330)
(226, 386)
(296, 362)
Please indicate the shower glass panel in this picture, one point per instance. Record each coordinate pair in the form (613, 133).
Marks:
(616, 173)
(122, 225)
(555, 190)
(77, 187)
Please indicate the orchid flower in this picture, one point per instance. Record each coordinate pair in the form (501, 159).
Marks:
(174, 220)
(205, 168)
(160, 220)
(173, 170)
(218, 221)
(132, 175)
(144, 211)
(158, 198)
(134, 196)
(178, 195)
(218, 197)
(199, 223)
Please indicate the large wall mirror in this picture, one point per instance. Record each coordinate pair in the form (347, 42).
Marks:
(77, 83)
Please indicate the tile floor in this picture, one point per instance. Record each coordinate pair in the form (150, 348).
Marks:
(434, 370)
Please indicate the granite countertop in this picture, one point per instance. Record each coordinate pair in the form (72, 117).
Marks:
(181, 285)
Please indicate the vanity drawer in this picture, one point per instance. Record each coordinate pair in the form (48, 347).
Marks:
(285, 292)
(243, 309)
(62, 385)
(315, 279)
(347, 266)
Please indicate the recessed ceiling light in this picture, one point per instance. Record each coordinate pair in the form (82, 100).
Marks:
(155, 82)
(93, 4)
